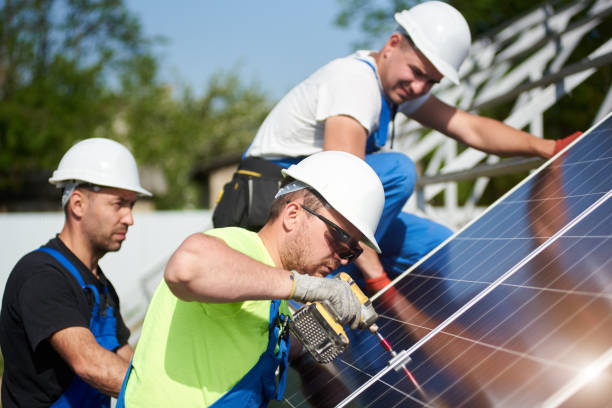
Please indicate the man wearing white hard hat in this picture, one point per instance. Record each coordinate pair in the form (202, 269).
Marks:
(349, 105)
(214, 333)
(62, 335)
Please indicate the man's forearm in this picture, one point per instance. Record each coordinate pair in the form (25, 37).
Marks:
(126, 352)
(369, 263)
(482, 133)
(106, 372)
(495, 137)
(99, 367)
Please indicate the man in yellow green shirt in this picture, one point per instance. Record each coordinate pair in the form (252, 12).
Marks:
(215, 332)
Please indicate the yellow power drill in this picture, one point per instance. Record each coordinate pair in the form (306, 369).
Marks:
(316, 326)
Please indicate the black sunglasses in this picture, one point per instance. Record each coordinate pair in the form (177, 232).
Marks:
(347, 247)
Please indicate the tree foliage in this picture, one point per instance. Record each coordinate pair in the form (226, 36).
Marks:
(175, 135)
(375, 18)
(73, 69)
(55, 58)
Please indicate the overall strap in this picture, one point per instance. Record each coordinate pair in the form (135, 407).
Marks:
(387, 114)
(258, 386)
(274, 328)
(65, 263)
(121, 398)
(277, 336)
(72, 269)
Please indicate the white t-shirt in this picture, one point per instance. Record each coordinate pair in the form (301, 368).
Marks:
(345, 86)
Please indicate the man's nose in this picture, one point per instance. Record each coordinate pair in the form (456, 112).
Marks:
(342, 261)
(418, 87)
(128, 217)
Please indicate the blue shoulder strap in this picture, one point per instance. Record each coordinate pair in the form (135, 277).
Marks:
(387, 114)
(65, 263)
(72, 269)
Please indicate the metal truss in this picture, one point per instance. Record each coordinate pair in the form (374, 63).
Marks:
(525, 62)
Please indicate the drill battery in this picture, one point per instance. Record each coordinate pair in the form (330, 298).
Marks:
(318, 332)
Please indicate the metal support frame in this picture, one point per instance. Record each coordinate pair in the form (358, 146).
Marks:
(542, 40)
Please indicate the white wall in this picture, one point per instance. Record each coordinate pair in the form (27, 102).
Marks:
(135, 270)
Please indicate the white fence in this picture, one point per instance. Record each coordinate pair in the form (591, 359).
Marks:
(135, 270)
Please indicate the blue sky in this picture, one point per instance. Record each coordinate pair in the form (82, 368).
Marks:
(277, 43)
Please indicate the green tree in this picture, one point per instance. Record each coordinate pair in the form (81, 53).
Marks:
(174, 135)
(74, 69)
(375, 18)
(56, 62)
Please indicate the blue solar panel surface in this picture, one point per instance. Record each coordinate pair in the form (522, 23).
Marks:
(516, 310)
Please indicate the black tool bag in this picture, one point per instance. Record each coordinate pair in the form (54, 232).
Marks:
(246, 200)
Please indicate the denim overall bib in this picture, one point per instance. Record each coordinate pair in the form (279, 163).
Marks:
(378, 139)
(258, 386)
(103, 325)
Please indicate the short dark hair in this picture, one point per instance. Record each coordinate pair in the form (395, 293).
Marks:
(409, 40)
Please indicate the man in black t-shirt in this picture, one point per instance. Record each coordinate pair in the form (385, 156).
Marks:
(62, 335)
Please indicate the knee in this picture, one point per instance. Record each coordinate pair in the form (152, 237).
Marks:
(403, 174)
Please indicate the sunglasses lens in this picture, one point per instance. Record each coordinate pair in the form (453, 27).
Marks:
(348, 248)
(349, 254)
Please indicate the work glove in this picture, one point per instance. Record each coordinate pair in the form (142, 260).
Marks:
(337, 293)
(561, 143)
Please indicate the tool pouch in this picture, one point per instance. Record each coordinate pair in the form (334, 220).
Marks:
(245, 201)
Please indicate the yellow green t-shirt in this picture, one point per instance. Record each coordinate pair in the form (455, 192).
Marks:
(189, 353)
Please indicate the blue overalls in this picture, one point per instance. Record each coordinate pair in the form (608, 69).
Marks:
(403, 238)
(103, 325)
(258, 386)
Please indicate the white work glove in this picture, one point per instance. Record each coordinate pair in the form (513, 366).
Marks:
(336, 292)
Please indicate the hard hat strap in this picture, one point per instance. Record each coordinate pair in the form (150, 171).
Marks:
(295, 185)
(71, 185)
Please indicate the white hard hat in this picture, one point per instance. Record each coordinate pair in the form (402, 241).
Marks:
(99, 161)
(348, 184)
(440, 32)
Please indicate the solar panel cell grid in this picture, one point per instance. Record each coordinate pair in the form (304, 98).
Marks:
(529, 337)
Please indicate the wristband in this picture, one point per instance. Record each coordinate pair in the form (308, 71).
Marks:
(376, 284)
(292, 277)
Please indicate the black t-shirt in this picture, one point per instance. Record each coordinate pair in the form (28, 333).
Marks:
(40, 298)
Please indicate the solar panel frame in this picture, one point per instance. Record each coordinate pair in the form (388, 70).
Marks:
(365, 359)
(511, 271)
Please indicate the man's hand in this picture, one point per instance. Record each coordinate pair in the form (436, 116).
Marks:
(561, 143)
(337, 292)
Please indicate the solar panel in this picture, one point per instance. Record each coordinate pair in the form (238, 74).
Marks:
(514, 310)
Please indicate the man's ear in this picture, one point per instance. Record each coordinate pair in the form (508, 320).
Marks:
(395, 40)
(77, 203)
(290, 216)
